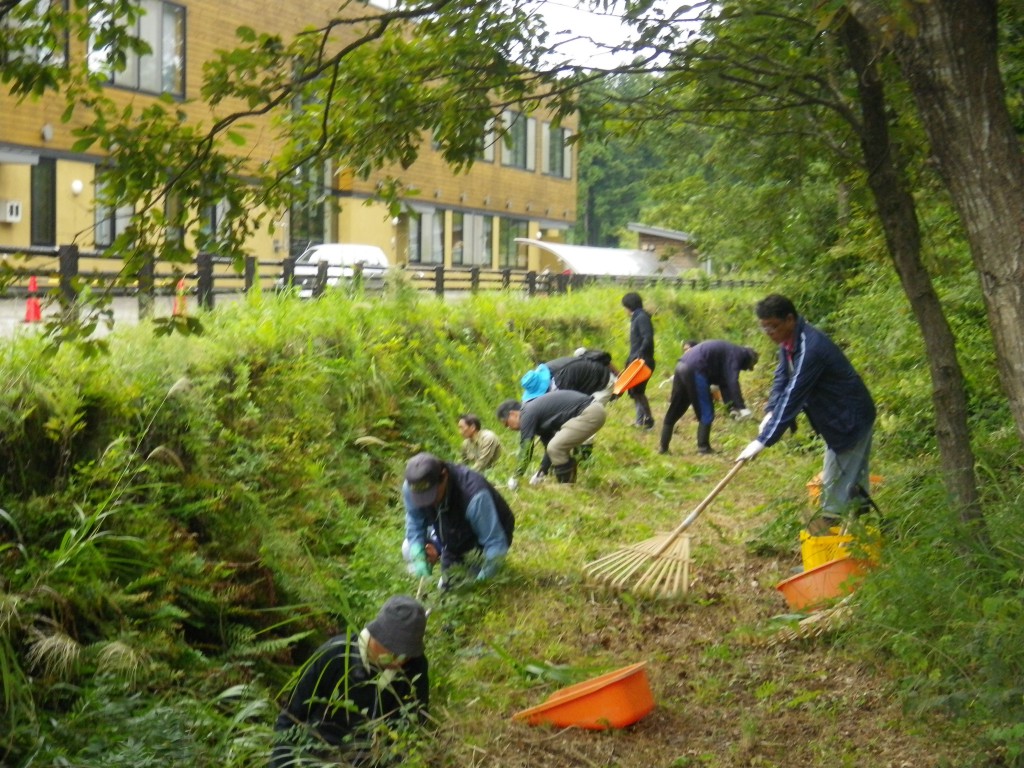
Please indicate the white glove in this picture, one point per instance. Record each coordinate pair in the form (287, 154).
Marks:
(537, 478)
(753, 448)
(741, 414)
(512, 483)
(764, 423)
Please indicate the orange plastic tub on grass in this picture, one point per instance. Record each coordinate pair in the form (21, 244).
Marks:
(613, 700)
(812, 589)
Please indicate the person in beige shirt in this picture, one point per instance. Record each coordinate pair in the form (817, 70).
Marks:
(480, 447)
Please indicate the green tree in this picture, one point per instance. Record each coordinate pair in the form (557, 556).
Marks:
(360, 90)
(794, 99)
(947, 52)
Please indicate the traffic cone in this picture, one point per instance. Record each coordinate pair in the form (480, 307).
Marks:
(33, 309)
(180, 308)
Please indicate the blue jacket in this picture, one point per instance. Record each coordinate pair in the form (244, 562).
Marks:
(472, 515)
(822, 383)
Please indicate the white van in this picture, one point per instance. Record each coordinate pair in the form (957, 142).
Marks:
(341, 259)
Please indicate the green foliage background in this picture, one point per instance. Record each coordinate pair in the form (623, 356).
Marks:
(185, 518)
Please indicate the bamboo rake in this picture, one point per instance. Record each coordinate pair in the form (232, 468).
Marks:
(661, 564)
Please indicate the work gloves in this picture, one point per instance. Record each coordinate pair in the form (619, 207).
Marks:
(490, 567)
(512, 483)
(753, 448)
(537, 478)
(740, 414)
(418, 558)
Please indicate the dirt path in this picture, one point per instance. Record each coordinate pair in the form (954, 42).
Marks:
(730, 688)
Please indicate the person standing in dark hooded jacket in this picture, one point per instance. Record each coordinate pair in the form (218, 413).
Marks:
(641, 347)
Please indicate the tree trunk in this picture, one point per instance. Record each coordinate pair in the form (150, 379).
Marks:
(950, 63)
(898, 214)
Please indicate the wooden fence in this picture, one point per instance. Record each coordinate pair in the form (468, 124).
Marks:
(70, 270)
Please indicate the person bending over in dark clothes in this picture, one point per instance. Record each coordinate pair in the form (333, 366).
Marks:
(352, 685)
(814, 377)
(702, 365)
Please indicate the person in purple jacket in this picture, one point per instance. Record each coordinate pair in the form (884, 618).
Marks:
(813, 376)
(702, 365)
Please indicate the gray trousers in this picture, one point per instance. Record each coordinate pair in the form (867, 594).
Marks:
(843, 473)
(574, 432)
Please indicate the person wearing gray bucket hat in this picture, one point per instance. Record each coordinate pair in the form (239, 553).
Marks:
(399, 626)
(462, 507)
(353, 684)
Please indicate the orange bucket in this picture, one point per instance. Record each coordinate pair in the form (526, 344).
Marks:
(812, 588)
(636, 372)
(613, 700)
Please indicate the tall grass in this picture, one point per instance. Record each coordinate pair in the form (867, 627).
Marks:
(225, 501)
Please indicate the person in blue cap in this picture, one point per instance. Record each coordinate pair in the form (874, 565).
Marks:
(536, 382)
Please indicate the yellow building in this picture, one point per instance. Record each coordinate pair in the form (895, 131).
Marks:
(523, 185)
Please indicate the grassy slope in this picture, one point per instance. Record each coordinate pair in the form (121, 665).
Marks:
(287, 518)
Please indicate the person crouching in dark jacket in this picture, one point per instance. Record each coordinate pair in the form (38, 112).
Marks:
(352, 685)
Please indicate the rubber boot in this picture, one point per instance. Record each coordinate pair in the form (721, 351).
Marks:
(666, 437)
(566, 473)
(704, 438)
(584, 452)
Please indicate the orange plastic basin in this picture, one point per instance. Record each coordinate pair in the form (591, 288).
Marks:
(636, 372)
(812, 588)
(613, 700)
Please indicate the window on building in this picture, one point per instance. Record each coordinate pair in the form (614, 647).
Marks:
(415, 225)
(477, 233)
(556, 152)
(161, 28)
(212, 224)
(43, 212)
(426, 237)
(458, 238)
(510, 254)
(175, 232)
(471, 239)
(487, 145)
(308, 214)
(110, 222)
(520, 146)
(29, 36)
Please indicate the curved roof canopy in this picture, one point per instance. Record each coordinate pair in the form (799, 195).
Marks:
(619, 262)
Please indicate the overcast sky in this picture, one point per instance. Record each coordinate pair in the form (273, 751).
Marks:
(586, 34)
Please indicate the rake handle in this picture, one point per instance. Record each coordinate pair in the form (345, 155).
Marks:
(699, 508)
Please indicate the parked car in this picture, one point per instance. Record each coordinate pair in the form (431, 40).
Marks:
(342, 260)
